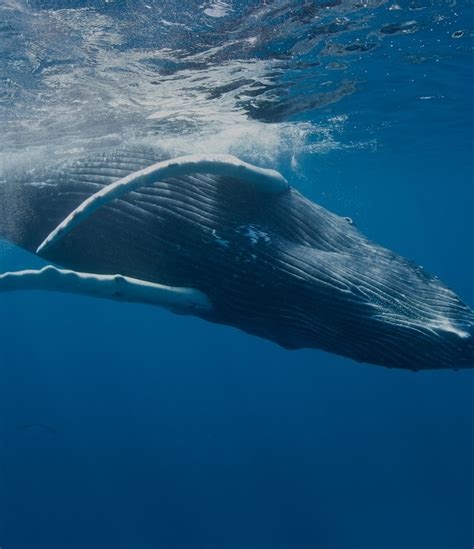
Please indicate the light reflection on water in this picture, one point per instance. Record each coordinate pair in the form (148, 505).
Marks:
(263, 80)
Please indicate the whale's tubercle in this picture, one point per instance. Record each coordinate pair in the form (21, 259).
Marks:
(263, 179)
(117, 287)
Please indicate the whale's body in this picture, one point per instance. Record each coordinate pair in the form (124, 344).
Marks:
(274, 265)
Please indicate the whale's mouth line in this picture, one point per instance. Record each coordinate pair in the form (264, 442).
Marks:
(439, 325)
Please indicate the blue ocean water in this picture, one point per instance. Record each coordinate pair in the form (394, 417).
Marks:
(125, 426)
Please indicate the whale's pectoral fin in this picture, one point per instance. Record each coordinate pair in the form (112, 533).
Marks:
(117, 287)
(265, 180)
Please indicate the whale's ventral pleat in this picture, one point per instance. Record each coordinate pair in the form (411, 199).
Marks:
(275, 265)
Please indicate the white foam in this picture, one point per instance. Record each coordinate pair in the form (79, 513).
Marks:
(217, 8)
(102, 96)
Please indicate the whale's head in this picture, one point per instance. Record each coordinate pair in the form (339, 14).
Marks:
(273, 264)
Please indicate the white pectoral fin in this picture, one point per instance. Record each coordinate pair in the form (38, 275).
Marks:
(265, 180)
(116, 287)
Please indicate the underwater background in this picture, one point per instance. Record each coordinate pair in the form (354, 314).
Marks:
(125, 426)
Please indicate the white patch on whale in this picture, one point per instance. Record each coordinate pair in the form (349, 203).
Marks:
(219, 240)
(253, 233)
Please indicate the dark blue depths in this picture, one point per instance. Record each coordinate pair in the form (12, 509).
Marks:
(127, 427)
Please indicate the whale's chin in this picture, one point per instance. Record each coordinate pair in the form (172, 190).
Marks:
(260, 257)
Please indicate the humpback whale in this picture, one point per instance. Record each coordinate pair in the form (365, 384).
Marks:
(232, 243)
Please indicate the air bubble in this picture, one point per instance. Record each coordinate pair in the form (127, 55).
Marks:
(335, 66)
(458, 34)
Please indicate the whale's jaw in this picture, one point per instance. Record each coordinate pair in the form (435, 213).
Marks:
(274, 265)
